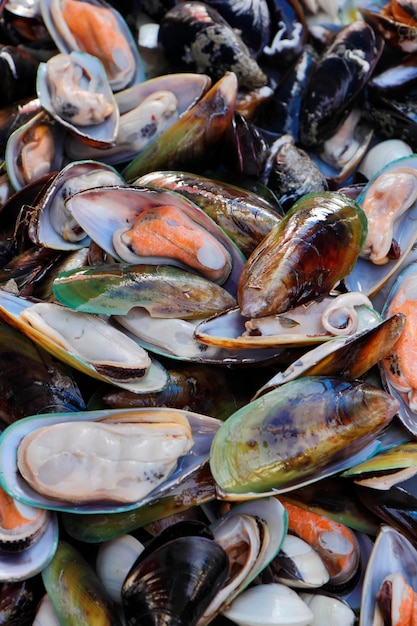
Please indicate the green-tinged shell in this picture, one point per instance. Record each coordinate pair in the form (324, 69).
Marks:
(188, 139)
(77, 593)
(386, 469)
(313, 247)
(244, 215)
(163, 290)
(197, 489)
(11, 308)
(292, 432)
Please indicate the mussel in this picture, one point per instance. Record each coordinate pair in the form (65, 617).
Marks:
(274, 442)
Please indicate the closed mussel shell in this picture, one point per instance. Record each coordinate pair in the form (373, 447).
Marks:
(77, 593)
(290, 433)
(151, 596)
(313, 247)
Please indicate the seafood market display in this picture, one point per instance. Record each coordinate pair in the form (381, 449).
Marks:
(208, 304)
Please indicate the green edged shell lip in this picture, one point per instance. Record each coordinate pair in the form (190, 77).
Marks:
(11, 306)
(270, 445)
(203, 430)
(101, 211)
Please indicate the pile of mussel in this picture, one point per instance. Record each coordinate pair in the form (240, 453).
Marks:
(208, 329)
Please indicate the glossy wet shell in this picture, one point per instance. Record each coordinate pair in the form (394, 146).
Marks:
(104, 33)
(314, 246)
(275, 442)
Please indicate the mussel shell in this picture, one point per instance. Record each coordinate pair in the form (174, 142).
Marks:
(343, 71)
(100, 212)
(188, 88)
(194, 35)
(392, 364)
(248, 455)
(226, 330)
(136, 76)
(392, 552)
(396, 34)
(98, 135)
(164, 291)
(282, 272)
(40, 229)
(17, 141)
(10, 308)
(272, 604)
(203, 429)
(350, 357)
(76, 592)
(244, 215)
(152, 596)
(365, 275)
(34, 558)
(192, 137)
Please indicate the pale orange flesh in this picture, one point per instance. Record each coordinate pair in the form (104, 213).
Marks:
(401, 363)
(10, 517)
(389, 196)
(404, 11)
(317, 530)
(166, 231)
(96, 31)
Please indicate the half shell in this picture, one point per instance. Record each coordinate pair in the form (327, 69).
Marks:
(366, 276)
(104, 33)
(106, 213)
(306, 324)
(155, 378)
(51, 224)
(202, 432)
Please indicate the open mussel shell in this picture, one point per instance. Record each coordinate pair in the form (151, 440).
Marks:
(153, 379)
(350, 357)
(310, 323)
(252, 455)
(367, 276)
(397, 33)
(251, 533)
(141, 123)
(77, 115)
(392, 553)
(202, 427)
(31, 560)
(298, 565)
(102, 212)
(175, 338)
(397, 366)
(34, 150)
(113, 43)
(51, 225)
(391, 471)
(153, 597)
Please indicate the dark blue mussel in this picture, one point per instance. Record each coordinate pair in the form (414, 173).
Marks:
(340, 77)
(251, 18)
(152, 597)
(200, 40)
